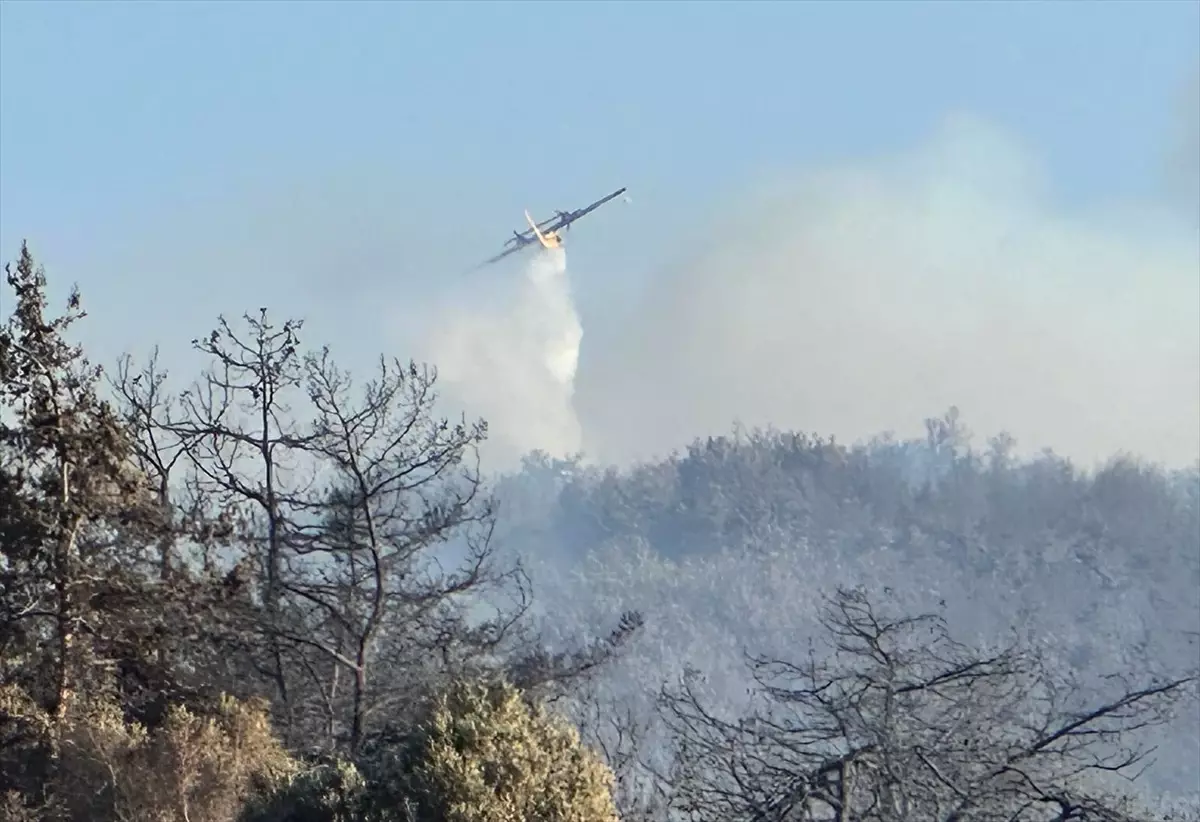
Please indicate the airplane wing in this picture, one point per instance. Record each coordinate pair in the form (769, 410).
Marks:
(501, 255)
(575, 215)
(520, 239)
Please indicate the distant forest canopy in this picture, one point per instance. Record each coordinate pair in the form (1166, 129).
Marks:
(312, 565)
(976, 508)
(1101, 568)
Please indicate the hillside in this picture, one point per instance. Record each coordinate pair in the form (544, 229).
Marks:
(276, 592)
(729, 548)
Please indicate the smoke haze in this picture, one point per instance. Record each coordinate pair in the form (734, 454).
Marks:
(854, 300)
(860, 299)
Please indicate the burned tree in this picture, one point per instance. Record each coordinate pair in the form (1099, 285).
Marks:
(398, 549)
(902, 722)
(204, 640)
(226, 455)
(338, 504)
(242, 440)
(143, 400)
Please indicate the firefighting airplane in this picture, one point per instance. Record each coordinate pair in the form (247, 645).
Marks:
(546, 232)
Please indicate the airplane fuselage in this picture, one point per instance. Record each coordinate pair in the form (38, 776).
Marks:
(551, 237)
(548, 239)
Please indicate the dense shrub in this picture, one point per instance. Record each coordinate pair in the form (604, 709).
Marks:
(483, 754)
(101, 766)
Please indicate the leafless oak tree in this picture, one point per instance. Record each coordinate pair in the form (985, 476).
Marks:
(901, 722)
(338, 506)
(375, 595)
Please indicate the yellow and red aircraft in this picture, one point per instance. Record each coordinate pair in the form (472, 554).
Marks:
(546, 232)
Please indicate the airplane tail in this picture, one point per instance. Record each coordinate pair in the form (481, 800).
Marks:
(545, 241)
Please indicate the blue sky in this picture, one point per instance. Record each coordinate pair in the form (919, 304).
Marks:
(151, 96)
(116, 111)
(212, 156)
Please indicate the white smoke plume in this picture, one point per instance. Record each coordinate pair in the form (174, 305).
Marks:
(855, 300)
(860, 299)
(512, 361)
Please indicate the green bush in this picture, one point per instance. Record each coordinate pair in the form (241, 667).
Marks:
(483, 754)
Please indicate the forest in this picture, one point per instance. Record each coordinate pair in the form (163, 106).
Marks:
(279, 590)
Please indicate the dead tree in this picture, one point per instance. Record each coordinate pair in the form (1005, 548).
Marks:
(371, 574)
(239, 441)
(144, 403)
(900, 722)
